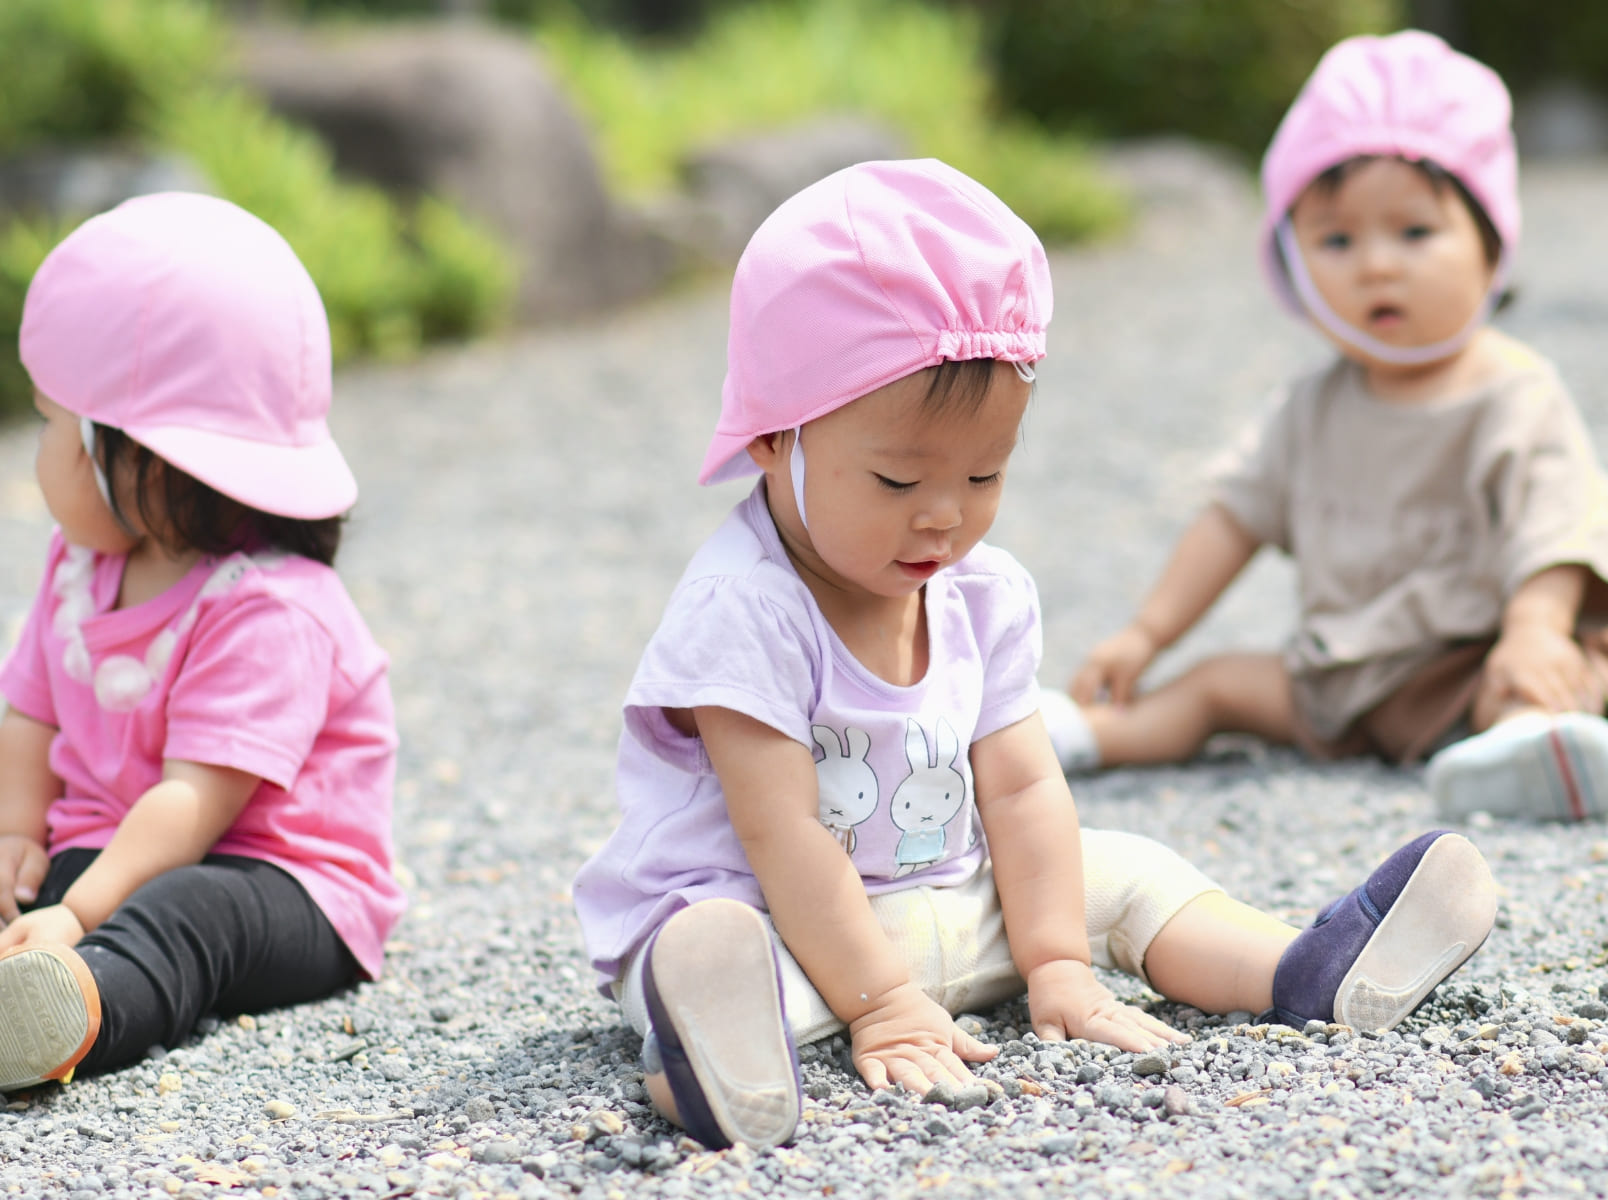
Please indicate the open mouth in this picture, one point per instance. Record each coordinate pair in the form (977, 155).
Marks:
(921, 570)
(1385, 315)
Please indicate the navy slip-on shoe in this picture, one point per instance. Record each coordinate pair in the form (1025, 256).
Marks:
(1374, 955)
(714, 999)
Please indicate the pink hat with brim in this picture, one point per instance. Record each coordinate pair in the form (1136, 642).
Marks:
(869, 275)
(1411, 96)
(190, 325)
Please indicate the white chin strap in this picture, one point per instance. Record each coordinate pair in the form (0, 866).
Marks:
(796, 468)
(1024, 372)
(86, 430)
(1336, 327)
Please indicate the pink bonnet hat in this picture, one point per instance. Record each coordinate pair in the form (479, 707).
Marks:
(190, 325)
(869, 275)
(1408, 95)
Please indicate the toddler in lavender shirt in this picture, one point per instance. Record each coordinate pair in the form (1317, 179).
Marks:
(839, 805)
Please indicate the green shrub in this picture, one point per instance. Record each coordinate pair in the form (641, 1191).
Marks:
(643, 16)
(391, 279)
(23, 246)
(1222, 70)
(914, 66)
(72, 70)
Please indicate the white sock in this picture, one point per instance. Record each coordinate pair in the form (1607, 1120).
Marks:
(1070, 731)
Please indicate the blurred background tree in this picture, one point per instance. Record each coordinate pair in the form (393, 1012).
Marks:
(1223, 71)
(1528, 44)
(150, 74)
(1012, 91)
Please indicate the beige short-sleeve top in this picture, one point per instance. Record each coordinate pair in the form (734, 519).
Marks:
(1411, 524)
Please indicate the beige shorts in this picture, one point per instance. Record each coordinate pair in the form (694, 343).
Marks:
(953, 938)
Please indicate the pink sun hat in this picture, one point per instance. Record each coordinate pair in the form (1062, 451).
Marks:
(190, 325)
(1408, 95)
(869, 275)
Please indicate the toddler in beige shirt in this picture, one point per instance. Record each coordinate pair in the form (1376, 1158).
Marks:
(1435, 485)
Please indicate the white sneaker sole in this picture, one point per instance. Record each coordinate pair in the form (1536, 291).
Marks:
(716, 976)
(49, 1015)
(1441, 917)
(1544, 768)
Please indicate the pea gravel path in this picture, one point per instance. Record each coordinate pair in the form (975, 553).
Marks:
(527, 507)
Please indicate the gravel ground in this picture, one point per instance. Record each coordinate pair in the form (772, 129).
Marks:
(527, 508)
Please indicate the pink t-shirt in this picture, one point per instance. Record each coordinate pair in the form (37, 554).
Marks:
(893, 765)
(258, 663)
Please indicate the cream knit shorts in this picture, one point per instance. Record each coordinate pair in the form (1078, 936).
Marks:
(953, 938)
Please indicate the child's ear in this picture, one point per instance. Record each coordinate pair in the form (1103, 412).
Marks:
(766, 450)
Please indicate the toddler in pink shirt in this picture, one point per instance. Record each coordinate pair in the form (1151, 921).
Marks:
(197, 754)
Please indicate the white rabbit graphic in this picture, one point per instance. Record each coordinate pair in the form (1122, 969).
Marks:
(927, 798)
(847, 784)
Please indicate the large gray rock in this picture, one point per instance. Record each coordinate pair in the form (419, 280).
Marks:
(462, 111)
(732, 185)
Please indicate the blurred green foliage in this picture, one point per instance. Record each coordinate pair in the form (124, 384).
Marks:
(72, 70)
(1221, 70)
(1527, 43)
(915, 66)
(23, 246)
(654, 17)
(143, 70)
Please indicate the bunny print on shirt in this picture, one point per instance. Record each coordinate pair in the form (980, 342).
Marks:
(933, 790)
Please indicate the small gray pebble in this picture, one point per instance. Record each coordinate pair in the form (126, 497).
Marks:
(1529, 1106)
(1089, 1073)
(1114, 1096)
(394, 1067)
(499, 1152)
(1060, 1143)
(1154, 1062)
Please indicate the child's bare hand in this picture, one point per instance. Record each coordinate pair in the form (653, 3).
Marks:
(54, 923)
(908, 1038)
(1065, 1000)
(23, 863)
(1113, 667)
(1534, 664)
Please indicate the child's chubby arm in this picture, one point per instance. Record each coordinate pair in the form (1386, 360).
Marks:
(172, 825)
(1536, 660)
(27, 788)
(1036, 847)
(820, 909)
(1209, 555)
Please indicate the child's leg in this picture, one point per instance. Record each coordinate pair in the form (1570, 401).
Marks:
(719, 1059)
(232, 934)
(1367, 961)
(1230, 693)
(1219, 955)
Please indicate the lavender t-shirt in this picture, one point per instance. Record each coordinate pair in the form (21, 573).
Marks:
(742, 632)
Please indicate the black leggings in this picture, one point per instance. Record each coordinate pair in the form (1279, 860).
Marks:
(228, 934)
